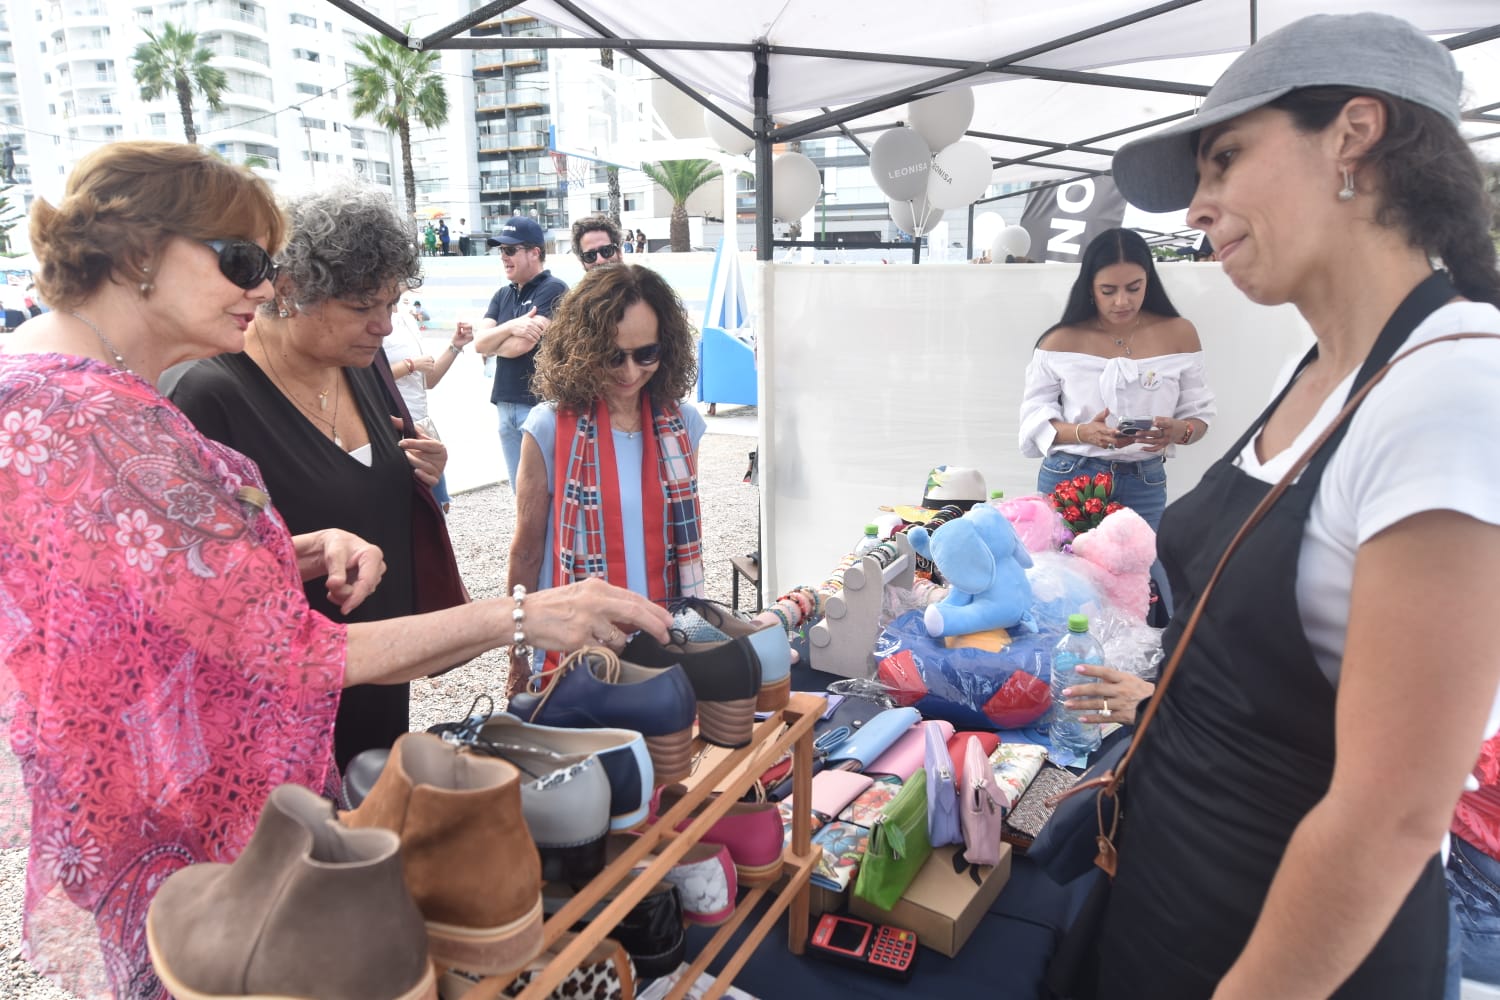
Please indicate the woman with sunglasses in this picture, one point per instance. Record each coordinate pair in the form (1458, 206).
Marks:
(160, 669)
(618, 357)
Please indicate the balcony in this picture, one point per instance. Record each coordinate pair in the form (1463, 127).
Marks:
(526, 97)
(522, 57)
(528, 139)
(493, 182)
(247, 14)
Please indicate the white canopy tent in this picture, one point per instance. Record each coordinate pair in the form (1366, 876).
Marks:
(921, 366)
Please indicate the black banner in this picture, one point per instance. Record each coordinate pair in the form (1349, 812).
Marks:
(1063, 219)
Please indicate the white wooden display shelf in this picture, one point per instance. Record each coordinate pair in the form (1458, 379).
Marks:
(791, 728)
(843, 642)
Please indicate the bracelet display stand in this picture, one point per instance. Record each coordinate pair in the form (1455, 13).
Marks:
(792, 728)
(843, 642)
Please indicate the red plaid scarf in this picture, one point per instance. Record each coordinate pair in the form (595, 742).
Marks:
(587, 514)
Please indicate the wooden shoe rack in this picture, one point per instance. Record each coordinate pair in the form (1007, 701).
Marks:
(732, 774)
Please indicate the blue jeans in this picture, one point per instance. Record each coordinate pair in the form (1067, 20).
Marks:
(440, 491)
(1474, 888)
(512, 416)
(1141, 486)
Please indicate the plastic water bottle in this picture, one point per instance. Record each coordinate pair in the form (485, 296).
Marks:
(1077, 646)
(871, 539)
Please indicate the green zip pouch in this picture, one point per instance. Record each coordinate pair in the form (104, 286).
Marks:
(898, 845)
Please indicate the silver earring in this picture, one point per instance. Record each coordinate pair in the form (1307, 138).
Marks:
(1346, 193)
(283, 313)
(146, 287)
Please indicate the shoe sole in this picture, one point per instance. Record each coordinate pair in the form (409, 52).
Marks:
(490, 950)
(775, 696)
(426, 988)
(672, 755)
(759, 875)
(572, 862)
(725, 723)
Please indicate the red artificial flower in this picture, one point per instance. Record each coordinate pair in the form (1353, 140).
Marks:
(1113, 506)
(1094, 506)
(1073, 514)
(1105, 480)
(1081, 482)
(1067, 492)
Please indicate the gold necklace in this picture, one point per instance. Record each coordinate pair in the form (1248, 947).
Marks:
(332, 425)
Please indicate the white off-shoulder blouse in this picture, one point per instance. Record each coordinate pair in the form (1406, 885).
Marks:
(1065, 385)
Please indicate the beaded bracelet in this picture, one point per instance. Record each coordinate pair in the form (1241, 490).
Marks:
(519, 647)
(781, 616)
(799, 597)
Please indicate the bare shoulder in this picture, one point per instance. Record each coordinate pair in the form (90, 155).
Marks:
(1177, 335)
(1065, 338)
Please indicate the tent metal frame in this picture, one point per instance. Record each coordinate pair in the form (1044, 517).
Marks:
(835, 122)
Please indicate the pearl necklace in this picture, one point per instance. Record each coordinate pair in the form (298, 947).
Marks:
(110, 349)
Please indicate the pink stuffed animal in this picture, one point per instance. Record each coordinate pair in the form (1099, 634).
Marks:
(1116, 556)
(1040, 528)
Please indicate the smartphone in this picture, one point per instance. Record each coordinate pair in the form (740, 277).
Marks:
(1135, 425)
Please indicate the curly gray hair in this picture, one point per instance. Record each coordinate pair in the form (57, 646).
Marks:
(347, 242)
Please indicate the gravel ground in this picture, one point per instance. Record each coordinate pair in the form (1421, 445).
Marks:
(480, 525)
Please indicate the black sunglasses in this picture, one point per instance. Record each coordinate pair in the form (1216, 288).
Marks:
(511, 249)
(244, 263)
(644, 357)
(607, 251)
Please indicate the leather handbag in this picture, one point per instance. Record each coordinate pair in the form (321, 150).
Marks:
(1102, 811)
(898, 846)
(942, 790)
(438, 583)
(862, 745)
(981, 810)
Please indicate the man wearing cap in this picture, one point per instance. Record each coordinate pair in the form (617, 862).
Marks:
(512, 329)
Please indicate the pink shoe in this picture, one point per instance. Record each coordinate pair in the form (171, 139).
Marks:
(752, 832)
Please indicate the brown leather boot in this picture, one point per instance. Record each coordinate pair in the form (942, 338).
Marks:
(470, 862)
(309, 910)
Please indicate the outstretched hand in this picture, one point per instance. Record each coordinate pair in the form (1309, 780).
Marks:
(591, 613)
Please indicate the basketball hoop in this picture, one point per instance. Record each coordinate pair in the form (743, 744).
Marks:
(575, 171)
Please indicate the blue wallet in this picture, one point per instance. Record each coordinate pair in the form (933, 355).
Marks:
(868, 741)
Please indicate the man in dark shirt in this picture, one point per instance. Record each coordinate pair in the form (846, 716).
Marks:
(512, 329)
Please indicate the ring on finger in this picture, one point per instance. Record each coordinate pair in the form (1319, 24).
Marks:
(1105, 709)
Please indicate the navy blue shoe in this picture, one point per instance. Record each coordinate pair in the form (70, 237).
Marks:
(595, 689)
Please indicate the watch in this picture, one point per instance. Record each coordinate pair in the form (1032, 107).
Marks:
(455, 349)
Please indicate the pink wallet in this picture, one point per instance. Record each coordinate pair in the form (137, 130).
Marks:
(907, 755)
(833, 790)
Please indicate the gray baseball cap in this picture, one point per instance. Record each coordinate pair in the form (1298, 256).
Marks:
(1377, 52)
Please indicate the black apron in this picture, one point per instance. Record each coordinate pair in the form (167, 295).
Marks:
(1242, 746)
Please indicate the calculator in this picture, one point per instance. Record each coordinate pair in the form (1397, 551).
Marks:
(878, 948)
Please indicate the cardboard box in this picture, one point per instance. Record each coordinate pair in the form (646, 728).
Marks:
(941, 905)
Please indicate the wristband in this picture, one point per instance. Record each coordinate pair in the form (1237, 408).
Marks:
(1078, 433)
(455, 349)
(1188, 436)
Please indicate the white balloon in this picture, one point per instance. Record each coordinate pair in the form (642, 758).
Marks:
(731, 140)
(1012, 241)
(942, 118)
(903, 214)
(795, 186)
(987, 226)
(899, 161)
(960, 174)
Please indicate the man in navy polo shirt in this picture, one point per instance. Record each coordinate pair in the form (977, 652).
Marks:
(512, 329)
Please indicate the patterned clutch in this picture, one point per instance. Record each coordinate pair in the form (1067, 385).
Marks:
(1032, 812)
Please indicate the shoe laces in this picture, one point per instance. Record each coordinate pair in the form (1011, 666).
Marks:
(466, 732)
(544, 682)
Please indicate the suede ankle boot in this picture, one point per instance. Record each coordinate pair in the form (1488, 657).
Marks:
(470, 862)
(310, 910)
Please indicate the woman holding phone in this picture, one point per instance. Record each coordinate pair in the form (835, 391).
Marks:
(1118, 382)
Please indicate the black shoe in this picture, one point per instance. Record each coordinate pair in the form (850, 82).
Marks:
(725, 677)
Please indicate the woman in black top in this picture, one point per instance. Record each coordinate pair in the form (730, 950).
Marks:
(306, 404)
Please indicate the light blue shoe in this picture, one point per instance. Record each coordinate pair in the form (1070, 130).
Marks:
(708, 621)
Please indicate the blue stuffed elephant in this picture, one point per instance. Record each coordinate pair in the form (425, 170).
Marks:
(985, 564)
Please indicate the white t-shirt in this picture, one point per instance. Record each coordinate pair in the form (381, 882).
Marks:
(1065, 385)
(1422, 440)
(405, 343)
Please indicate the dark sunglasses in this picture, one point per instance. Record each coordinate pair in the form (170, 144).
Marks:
(511, 249)
(607, 251)
(242, 262)
(644, 357)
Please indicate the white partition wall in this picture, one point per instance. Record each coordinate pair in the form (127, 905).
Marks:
(870, 376)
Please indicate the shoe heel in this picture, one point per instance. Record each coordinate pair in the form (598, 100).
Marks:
(574, 864)
(775, 696)
(671, 755)
(764, 875)
(727, 723)
(490, 950)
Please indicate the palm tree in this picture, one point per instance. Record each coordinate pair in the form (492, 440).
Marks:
(398, 85)
(680, 178)
(611, 172)
(174, 61)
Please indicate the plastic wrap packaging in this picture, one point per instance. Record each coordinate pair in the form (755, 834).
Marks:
(977, 688)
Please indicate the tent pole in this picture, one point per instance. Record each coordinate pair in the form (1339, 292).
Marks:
(762, 98)
(970, 242)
